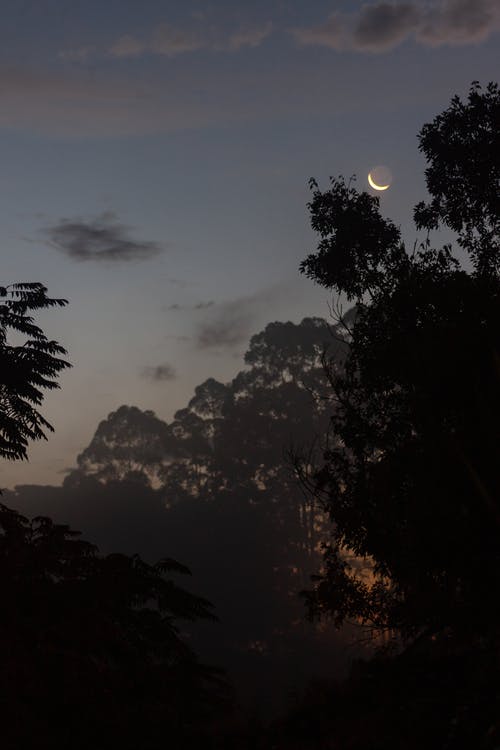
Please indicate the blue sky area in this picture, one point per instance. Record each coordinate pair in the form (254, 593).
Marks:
(155, 159)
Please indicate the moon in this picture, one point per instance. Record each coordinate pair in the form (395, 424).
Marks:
(380, 178)
(374, 184)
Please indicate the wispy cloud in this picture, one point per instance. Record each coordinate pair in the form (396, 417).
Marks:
(126, 46)
(165, 40)
(179, 339)
(228, 328)
(102, 238)
(249, 37)
(169, 41)
(159, 373)
(381, 26)
(78, 54)
(175, 306)
(460, 22)
(230, 324)
(78, 104)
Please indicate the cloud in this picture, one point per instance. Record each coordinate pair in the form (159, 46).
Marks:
(165, 40)
(100, 239)
(231, 323)
(381, 26)
(177, 338)
(251, 37)
(78, 55)
(198, 306)
(230, 327)
(78, 103)
(126, 46)
(460, 22)
(159, 373)
(332, 33)
(384, 25)
(170, 41)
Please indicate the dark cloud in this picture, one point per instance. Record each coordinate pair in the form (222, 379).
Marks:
(204, 305)
(380, 26)
(460, 22)
(229, 325)
(159, 373)
(384, 25)
(99, 239)
(227, 330)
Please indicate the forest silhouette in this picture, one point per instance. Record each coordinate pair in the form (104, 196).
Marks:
(363, 452)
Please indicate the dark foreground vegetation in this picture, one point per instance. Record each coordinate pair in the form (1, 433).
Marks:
(365, 452)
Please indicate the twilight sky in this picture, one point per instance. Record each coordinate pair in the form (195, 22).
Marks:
(155, 158)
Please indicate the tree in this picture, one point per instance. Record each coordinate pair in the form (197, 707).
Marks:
(410, 473)
(462, 147)
(26, 368)
(130, 442)
(233, 508)
(94, 651)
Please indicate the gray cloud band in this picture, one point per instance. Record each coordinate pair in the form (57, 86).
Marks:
(381, 26)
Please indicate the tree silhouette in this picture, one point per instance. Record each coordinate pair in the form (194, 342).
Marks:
(129, 442)
(410, 476)
(93, 641)
(461, 146)
(410, 467)
(26, 368)
(226, 500)
(92, 652)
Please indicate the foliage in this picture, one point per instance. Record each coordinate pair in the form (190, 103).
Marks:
(93, 642)
(410, 474)
(355, 240)
(127, 443)
(28, 367)
(92, 652)
(215, 487)
(431, 695)
(462, 147)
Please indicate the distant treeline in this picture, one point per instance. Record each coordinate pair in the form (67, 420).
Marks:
(216, 489)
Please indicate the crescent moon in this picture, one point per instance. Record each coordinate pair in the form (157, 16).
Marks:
(374, 184)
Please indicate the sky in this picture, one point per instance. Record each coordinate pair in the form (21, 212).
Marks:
(155, 162)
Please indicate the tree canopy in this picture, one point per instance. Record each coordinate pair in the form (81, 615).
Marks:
(214, 486)
(93, 653)
(410, 473)
(94, 647)
(29, 364)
